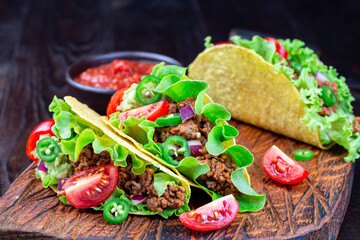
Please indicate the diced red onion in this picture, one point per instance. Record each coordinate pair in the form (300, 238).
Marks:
(195, 146)
(42, 167)
(60, 184)
(137, 199)
(321, 77)
(187, 112)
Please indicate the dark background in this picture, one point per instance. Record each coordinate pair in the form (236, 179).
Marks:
(40, 39)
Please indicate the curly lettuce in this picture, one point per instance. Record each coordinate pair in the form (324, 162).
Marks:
(175, 85)
(336, 128)
(75, 133)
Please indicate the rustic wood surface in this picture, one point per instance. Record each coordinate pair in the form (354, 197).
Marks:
(40, 39)
(312, 209)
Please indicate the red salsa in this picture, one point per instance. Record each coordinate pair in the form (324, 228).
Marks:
(115, 75)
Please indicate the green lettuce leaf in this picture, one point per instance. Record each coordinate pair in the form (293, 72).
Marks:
(208, 43)
(249, 200)
(162, 180)
(258, 44)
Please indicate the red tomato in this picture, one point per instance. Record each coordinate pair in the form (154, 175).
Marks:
(279, 48)
(115, 101)
(151, 112)
(41, 129)
(92, 186)
(220, 43)
(213, 215)
(281, 168)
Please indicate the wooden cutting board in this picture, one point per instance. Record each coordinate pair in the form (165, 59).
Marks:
(312, 209)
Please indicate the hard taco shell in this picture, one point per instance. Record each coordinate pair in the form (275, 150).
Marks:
(253, 92)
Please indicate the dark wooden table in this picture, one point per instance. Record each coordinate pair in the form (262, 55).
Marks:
(40, 39)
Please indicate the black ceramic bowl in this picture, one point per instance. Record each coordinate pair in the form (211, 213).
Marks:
(98, 98)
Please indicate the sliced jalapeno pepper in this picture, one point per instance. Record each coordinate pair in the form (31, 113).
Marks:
(303, 154)
(47, 149)
(173, 146)
(145, 92)
(328, 96)
(297, 67)
(169, 120)
(116, 211)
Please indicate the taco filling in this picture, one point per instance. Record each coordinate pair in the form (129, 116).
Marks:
(175, 124)
(88, 169)
(197, 128)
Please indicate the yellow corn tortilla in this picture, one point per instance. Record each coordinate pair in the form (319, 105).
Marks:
(94, 118)
(252, 92)
(226, 144)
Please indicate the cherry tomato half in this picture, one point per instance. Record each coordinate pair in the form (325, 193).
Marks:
(151, 112)
(92, 186)
(281, 168)
(221, 43)
(279, 48)
(115, 101)
(41, 129)
(213, 215)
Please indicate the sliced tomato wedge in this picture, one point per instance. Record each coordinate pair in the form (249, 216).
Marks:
(41, 129)
(92, 186)
(115, 101)
(221, 43)
(281, 168)
(279, 48)
(151, 112)
(213, 215)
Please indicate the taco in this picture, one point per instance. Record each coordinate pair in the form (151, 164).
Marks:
(90, 166)
(281, 86)
(170, 118)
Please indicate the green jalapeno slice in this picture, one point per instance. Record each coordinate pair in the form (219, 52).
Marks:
(303, 154)
(328, 96)
(145, 91)
(47, 149)
(169, 120)
(116, 211)
(173, 146)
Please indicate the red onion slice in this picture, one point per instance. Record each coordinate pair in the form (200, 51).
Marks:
(187, 112)
(321, 77)
(42, 167)
(60, 183)
(137, 199)
(195, 146)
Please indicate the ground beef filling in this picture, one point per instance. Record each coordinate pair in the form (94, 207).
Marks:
(88, 159)
(218, 178)
(325, 110)
(195, 128)
(173, 197)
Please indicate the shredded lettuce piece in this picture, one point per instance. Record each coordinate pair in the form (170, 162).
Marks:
(177, 86)
(208, 43)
